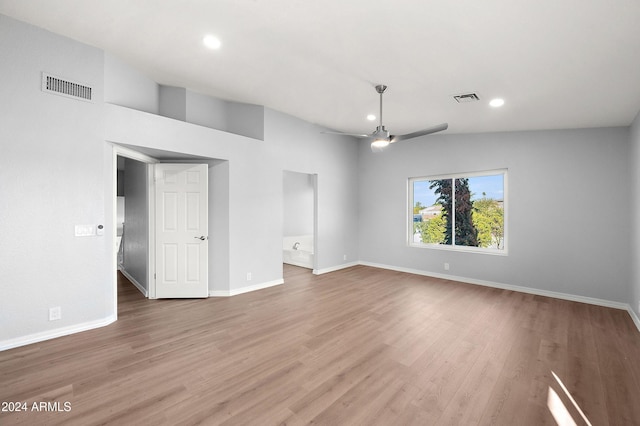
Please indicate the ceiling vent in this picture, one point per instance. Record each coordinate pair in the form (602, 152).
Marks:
(467, 97)
(67, 88)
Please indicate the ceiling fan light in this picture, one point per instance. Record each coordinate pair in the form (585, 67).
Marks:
(211, 42)
(380, 143)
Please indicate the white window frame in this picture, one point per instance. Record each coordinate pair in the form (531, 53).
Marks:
(452, 247)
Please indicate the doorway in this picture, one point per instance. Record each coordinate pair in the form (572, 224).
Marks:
(218, 216)
(132, 227)
(299, 242)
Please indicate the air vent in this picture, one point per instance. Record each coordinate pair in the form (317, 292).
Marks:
(467, 97)
(63, 87)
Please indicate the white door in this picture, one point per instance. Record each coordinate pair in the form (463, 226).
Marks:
(182, 231)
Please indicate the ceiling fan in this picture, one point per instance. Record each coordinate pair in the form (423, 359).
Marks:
(382, 138)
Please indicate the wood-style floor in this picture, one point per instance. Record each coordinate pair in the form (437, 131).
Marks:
(361, 346)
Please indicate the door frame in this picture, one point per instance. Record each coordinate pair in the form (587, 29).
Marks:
(314, 177)
(121, 151)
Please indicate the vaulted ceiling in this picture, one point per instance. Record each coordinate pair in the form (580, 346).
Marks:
(556, 64)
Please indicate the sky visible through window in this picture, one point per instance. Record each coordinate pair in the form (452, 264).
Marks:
(492, 186)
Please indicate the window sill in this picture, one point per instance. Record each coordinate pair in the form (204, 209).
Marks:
(462, 249)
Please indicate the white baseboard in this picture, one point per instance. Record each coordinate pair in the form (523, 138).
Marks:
(236, 291)
(52, 334)
(335, 268)
(634, 316)
(538, 292)
(300, 264)
(135, 283)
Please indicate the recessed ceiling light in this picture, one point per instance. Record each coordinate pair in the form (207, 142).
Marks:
(496, 102)
(212, 42)
(371, 117)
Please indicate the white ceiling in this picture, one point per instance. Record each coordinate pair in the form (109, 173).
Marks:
(557, 63)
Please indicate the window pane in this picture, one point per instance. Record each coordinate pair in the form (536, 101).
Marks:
(466, 233)
(432, 199)
(487, 197)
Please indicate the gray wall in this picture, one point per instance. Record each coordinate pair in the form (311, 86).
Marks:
(568, 208)
(298, 199)
(206, 111)
(136, 225)
(172, 102)
(634, 229)
(126, 86)
(182, 104)
(54, 176)
(245, 119)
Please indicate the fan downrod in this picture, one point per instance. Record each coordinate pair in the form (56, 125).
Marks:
(380, 88)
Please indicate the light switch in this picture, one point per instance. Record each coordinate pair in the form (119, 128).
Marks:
(85, 230)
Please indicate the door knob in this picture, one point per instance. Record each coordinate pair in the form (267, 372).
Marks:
(201, 237)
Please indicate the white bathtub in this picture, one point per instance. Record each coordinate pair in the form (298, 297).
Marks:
(302, 254)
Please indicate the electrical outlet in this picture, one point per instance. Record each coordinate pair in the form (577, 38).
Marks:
(446, 266)
(55, 313)
(248, 276)
(344, 257)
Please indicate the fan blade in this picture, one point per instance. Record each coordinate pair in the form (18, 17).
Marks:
(357, 135)
(434, 129)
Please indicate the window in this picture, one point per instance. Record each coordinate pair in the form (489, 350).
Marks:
(464, 212)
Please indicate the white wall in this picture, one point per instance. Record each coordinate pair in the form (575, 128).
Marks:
(52, 170)
(219, 227)
(634, 229)
(255, 179)
(568, 208)
(136, 226)
(299, 146)
(120, 210)
(298, 202)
